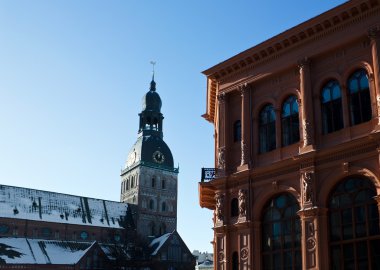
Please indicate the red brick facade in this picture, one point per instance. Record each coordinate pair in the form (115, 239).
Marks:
(297, 135)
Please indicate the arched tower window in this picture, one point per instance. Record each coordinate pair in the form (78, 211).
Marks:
(281, 234)
(152, 229)
(237, 131)
(234, 207)
(163, 207)
(359, 97)
(235, 261)
(151, 204)
(163, 184)
(290, 121)
(267, 129)
(354, 225)
(332, 116)
(162, 228)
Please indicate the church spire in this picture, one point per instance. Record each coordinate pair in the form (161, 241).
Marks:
(153, 83)
(151, 116)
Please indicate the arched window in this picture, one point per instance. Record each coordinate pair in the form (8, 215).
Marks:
(153, 182)
(267, 129)
(234, 207)
(359, 96)
(152, 229)
(162, 228)
(163, 186)
(332, 117)
(354, 225)
(237, 131)
(151, 205)
(163, 206)
(235, 261)
(281, 234)
(127, 186)
(290, 121)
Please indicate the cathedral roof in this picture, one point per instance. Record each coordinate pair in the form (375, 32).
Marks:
(39, 251)
(150, 150)
(32, 204)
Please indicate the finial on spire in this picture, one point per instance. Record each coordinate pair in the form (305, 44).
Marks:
(153, 83)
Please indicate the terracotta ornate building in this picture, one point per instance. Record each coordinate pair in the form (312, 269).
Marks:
(296, 183)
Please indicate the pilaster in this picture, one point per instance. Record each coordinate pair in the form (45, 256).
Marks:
(311, 244)
(306, 106)
(245, 127)
(222, 126)
(374, 35)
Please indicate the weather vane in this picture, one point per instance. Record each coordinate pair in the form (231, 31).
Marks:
(153, 64)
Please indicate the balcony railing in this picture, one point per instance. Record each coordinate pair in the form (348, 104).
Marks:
(208, 174)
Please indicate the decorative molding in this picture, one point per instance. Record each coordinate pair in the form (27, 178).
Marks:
(222, 98)
(307, 132)
(244, 153)
(244, 252)
(304, 62)
(374, 33)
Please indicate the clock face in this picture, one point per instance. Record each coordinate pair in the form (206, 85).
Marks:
(131, 158)
(158, 157)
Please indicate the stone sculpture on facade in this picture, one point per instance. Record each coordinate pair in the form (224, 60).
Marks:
(219, 207)
(242, 203)
(307, 183)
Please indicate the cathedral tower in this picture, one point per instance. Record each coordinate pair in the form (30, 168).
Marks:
(149, 179)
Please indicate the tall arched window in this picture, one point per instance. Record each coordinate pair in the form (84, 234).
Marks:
(237, 131)
(267, 129)
(162, 228)
(153, 184)
(235, 261)
(152, 228)
(281, 234)
(332, 117)
(290, 121)
(163, 184)
(163, 206)
(354, 225)
(151, 205)
(234, 207)
(360, 100)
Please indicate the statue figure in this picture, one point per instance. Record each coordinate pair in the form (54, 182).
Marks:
(219, 206)
(242, 203)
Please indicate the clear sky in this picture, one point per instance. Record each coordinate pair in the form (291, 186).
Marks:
(73, 72)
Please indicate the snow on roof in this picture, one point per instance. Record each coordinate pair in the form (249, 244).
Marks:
(32, 204)
(157, 243)
(37, 251)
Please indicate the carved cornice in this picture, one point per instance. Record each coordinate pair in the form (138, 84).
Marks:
(311, 212)
(331, 20)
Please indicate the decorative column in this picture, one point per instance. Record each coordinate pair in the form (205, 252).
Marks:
(306, 104)
(220, 257)
(374, 35)
(309, 222)
(245, 127)
(256, 256)
(311, 246)
(222, 135)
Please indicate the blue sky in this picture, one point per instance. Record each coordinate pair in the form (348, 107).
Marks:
(72, 75)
